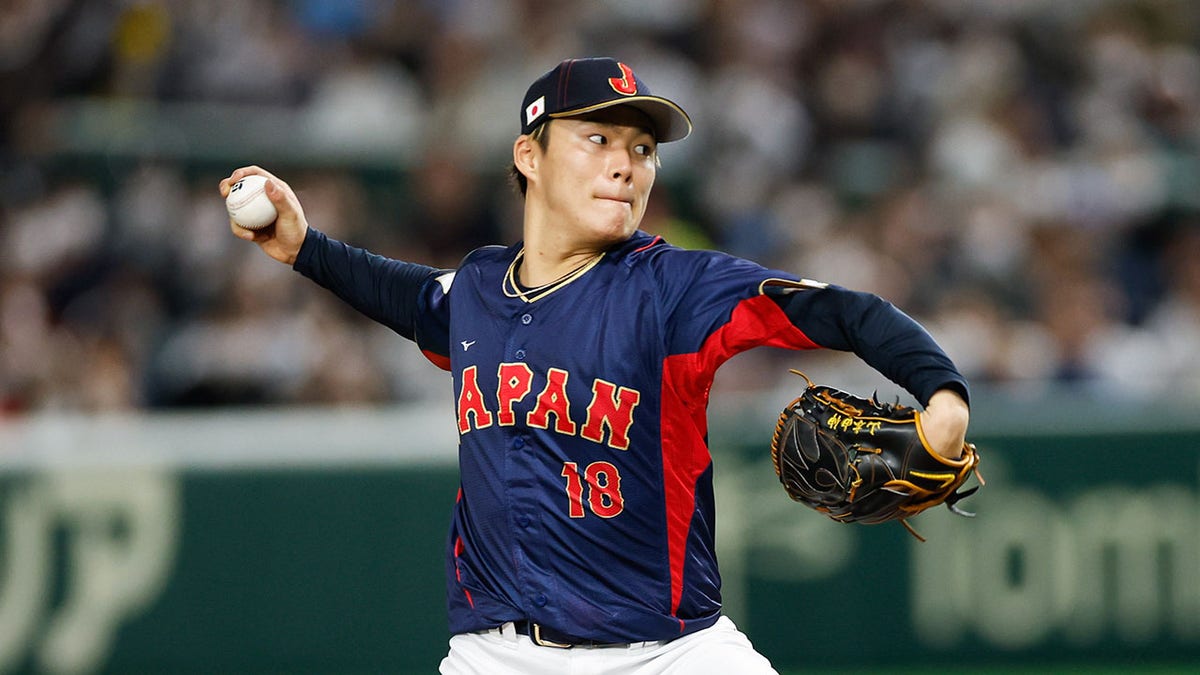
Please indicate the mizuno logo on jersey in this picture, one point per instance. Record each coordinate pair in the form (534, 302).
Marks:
(607, 419)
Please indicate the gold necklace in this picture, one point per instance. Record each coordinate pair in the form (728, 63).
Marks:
(513, 289)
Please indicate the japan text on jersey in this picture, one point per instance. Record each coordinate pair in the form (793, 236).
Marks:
(586, 500)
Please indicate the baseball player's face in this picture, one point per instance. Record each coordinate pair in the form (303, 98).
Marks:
(596, 173)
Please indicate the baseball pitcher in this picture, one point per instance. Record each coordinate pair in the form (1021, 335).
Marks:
(582, 539)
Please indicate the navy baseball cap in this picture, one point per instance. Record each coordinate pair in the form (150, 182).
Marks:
(578, 86)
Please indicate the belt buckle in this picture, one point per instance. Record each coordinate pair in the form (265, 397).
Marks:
(542, 642)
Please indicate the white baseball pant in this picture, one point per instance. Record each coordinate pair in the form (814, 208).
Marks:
(718, 650)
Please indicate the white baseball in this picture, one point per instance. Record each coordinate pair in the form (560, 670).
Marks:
(248, 204)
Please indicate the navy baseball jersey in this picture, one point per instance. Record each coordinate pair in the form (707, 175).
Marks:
(586, 500)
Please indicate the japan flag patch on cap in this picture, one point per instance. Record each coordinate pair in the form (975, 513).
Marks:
(535, 110)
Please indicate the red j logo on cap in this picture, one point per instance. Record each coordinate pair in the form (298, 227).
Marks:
(626, 84)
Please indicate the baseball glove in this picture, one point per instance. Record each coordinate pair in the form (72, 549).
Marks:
(857, 460)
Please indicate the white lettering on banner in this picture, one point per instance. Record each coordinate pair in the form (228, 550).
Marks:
(121, 532)
(1107, 563)
(1110, 562)
(24, 568)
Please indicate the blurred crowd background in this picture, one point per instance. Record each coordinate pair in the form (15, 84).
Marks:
(1020, 175)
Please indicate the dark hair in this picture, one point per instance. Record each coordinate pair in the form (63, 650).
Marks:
(541, 134)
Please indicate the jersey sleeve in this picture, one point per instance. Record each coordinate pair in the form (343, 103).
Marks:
(721, 305)
(409, 298)
(879, 333)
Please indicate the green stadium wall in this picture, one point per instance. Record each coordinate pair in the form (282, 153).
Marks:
(311, 542)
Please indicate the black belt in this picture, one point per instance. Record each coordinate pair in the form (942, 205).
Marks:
(548, 637)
